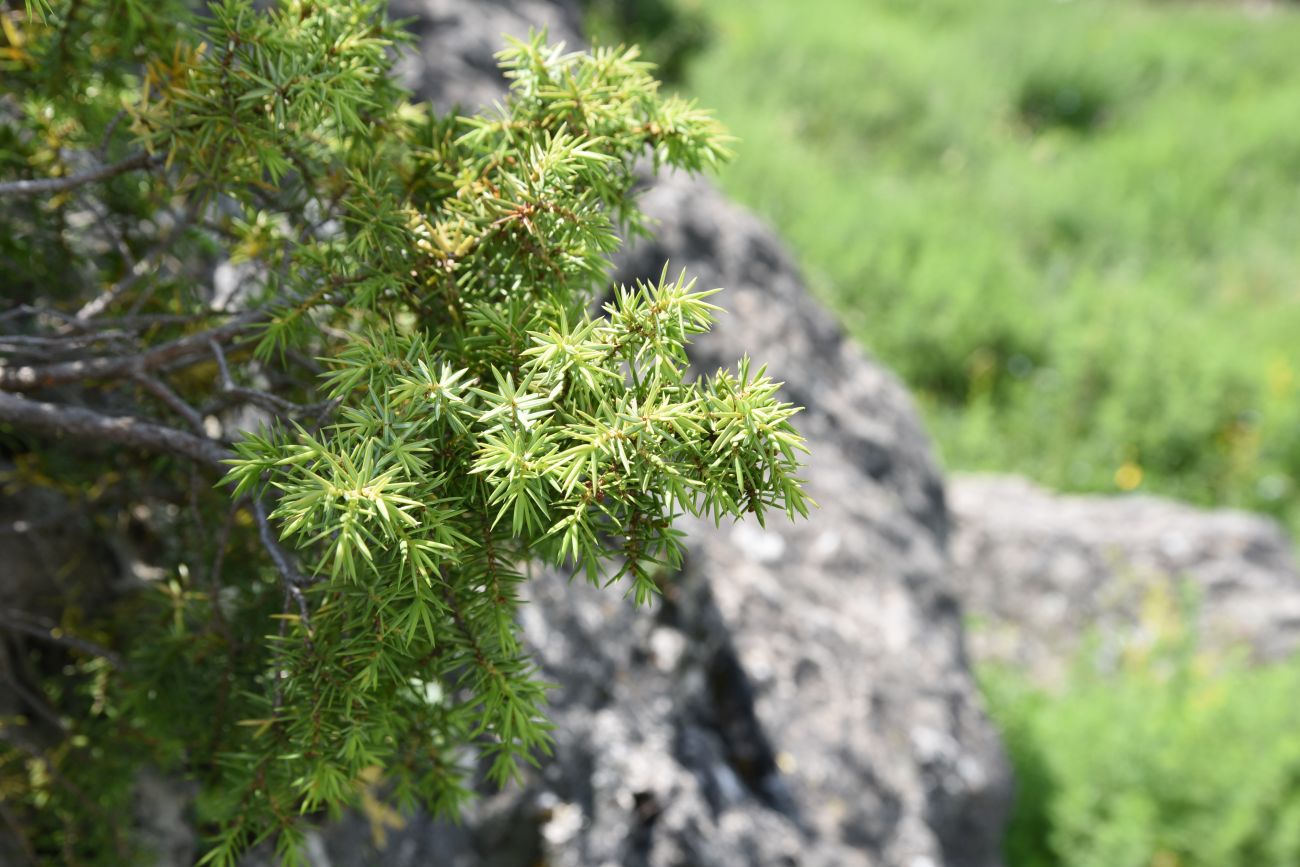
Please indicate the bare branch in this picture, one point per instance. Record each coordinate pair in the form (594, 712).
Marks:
(148, 320)
(49, 631)
(282, 560)
(272, 403)
(38, 704)
(173, 401)
(54, 348)
(294, 580)
(226, 381)
(30, 377)
(29, 310)
(121, 115)
(101, 302)
(43, 186)
(88, 427)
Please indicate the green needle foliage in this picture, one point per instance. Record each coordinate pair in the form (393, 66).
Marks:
(475, 413)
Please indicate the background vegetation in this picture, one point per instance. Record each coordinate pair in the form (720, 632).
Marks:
(1176, 757)
(1072, 228)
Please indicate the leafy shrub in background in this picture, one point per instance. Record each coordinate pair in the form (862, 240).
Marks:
(1171, 758)
(234, 217)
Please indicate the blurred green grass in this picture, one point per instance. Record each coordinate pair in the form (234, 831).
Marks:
(1166, 753)
(1072, 227)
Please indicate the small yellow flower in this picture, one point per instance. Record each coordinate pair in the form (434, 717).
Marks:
(1128, 476)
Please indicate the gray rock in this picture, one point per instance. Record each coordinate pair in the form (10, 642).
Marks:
(1040, 571)
(163, 818)
(453, 61)
(801, 694)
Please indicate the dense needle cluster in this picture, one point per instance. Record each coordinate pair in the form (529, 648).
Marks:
(411, 330)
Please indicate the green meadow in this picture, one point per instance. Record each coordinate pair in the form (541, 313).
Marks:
(1072, 227)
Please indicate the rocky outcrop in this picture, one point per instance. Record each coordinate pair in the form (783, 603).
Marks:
(800, 695)
(1040, 570)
